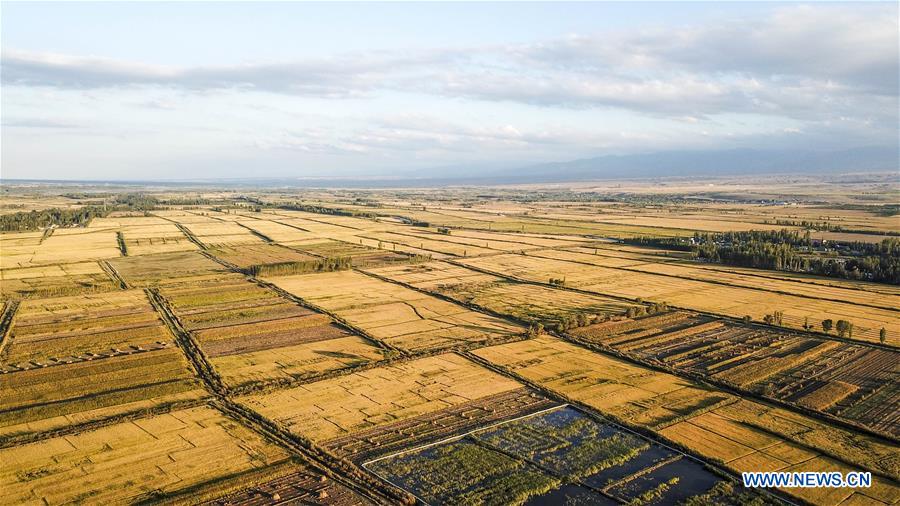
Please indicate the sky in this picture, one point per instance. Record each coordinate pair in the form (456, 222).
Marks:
(170, 90)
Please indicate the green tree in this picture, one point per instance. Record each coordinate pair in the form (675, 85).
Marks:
(844, 328)
(826, 325)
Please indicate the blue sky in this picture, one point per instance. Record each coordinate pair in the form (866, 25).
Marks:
(185, 90)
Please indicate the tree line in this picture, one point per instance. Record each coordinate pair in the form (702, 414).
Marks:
(327, 210)
(80, 217)
(790, 250)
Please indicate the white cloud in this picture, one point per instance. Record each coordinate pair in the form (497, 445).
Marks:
(821, 75)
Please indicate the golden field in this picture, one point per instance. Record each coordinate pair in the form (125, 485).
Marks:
(399, 316)
(133, 461)
(201, 350)
(727, 300)
(364, 400)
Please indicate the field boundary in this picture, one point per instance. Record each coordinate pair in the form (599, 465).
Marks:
(6, 324)
(114, 274)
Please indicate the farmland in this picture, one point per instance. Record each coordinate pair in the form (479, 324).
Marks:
(378, 397)
(848, 380)
(559, 452)
(527, 302)
(60, 279)
(250, 334)
(365, 347)
(73, 360)
(740, 434)
(396, 315)
(69, 328)
(151, 458)
(724, 299)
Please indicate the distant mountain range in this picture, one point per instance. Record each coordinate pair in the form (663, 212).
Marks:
(709, 163)
(664, 164)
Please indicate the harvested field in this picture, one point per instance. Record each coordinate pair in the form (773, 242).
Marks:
(360, 256)
(76, 245)
(299, 361)
(698, 295)
(436, 276)
(330, 410)
(62, 395)
(151, 235)
(432, 242)
(251, 334)
(713, 425)
(277, 232)
(19, 248)
(51, 280)
(222, 233)
(296, 487)
(144, 459)
(260, 254)
(62, 246)
(630, 393)
(833, 291)
(73, 328)
(400, 316)
(526, 302)
(516, 241)
(815, 373)
(166, 268)
(501, 222)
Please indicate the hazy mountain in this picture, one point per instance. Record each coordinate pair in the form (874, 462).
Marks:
(664, 164)
(710, 163)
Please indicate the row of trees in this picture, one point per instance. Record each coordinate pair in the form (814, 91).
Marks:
(34, 220)
(574, 321)
(327, 210)
(326, 264)
(790, 250)
(58, 217)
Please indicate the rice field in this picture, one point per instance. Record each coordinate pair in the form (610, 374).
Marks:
(247, 256)
(333, 408)
(399, 316)
(252, 335)
(833, 291)
(144, 355)
(215, 233)
(51, 330)
(740, 434)
(50, 280)
(850, 381)
(158, 237)
(60, 246)
(526, 302)
(360, 255)
(148, 459)
(727, 300)
(167, 268)
(64, 394)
